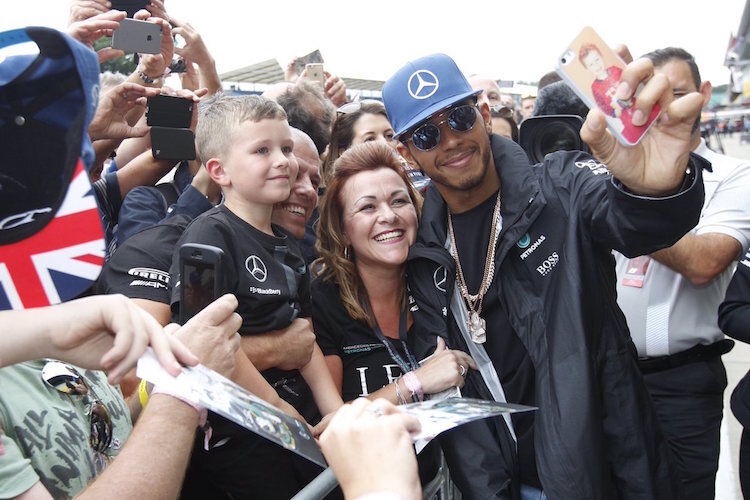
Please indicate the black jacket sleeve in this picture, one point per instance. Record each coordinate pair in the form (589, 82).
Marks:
(613, 217)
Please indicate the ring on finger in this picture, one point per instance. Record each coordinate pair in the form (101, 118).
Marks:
(462, 370)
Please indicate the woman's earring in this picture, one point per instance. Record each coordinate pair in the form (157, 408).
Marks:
(346, 253)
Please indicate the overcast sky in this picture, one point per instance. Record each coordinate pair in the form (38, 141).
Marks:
(504, 39)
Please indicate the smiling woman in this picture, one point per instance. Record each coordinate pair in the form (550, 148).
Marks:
(361, 316)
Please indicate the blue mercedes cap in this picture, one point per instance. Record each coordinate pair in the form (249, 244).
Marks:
(422, 88)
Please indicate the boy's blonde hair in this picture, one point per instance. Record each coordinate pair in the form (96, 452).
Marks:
(218, 119)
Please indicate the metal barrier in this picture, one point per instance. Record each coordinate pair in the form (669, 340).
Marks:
(318, 487)
(440, 487)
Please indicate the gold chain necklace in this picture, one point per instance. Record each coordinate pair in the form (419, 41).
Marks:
(477, 325)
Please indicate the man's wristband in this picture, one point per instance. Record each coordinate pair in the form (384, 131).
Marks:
(160, 390)
(203, 423)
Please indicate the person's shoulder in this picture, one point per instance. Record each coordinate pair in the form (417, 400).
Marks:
(213, 218)
(722, 166)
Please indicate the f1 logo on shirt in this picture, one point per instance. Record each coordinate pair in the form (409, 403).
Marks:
(423, 84)
(256, 267)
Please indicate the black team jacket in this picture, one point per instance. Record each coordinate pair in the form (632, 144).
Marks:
(596, 434)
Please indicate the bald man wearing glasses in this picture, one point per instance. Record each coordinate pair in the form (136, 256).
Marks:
(513, 265)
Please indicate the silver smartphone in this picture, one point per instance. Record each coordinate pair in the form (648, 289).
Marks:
(142, 37)
(315, 73)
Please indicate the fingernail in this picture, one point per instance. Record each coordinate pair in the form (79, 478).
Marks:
(595, 125)
(639, 118)
(623, 90)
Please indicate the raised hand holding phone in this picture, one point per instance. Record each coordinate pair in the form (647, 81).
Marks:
(657, 163)
(593, 71)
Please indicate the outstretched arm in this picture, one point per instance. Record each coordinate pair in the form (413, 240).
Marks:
(101, 332)
(327, 395)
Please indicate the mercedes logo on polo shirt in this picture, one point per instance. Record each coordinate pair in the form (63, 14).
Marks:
(423, 84)
(256, 268)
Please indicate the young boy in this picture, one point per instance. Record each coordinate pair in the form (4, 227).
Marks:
(246, 145)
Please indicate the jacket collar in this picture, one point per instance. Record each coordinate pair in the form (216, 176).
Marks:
(518, 184)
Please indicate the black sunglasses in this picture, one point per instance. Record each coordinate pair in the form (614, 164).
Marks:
(66, 379)
(426, 137)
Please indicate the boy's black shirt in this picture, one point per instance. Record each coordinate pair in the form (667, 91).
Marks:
(269, 277)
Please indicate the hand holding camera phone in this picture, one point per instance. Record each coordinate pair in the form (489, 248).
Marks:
(135, 36)
(315, 73)
(200, 278)
(170, 118)
(593, 71)
(301, 62)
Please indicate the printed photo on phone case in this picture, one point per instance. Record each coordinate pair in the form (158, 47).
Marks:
(593, 71)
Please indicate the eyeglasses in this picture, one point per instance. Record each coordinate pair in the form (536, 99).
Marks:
(66, 379)
(460, 119)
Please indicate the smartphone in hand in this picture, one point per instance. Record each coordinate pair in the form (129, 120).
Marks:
(129, 6)
(301, 62)
(593, 71)
(315, 73)
(169, 111)
(135, 36)
(200, 278)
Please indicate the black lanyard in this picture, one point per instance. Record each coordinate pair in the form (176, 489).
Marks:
(412, 361)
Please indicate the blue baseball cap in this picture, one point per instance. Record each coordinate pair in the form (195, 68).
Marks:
(47, 100)
(422, 88)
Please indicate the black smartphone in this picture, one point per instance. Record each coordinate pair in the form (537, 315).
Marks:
(200, 280)
(135, 36)
(172, 143)
(129, 6)
(169, 111)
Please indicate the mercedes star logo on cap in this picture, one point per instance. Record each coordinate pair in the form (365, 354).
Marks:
(423, 84)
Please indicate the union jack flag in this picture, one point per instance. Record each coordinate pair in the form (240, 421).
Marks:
(62, 260)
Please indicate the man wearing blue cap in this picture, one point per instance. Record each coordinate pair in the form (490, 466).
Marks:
(513, 264)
